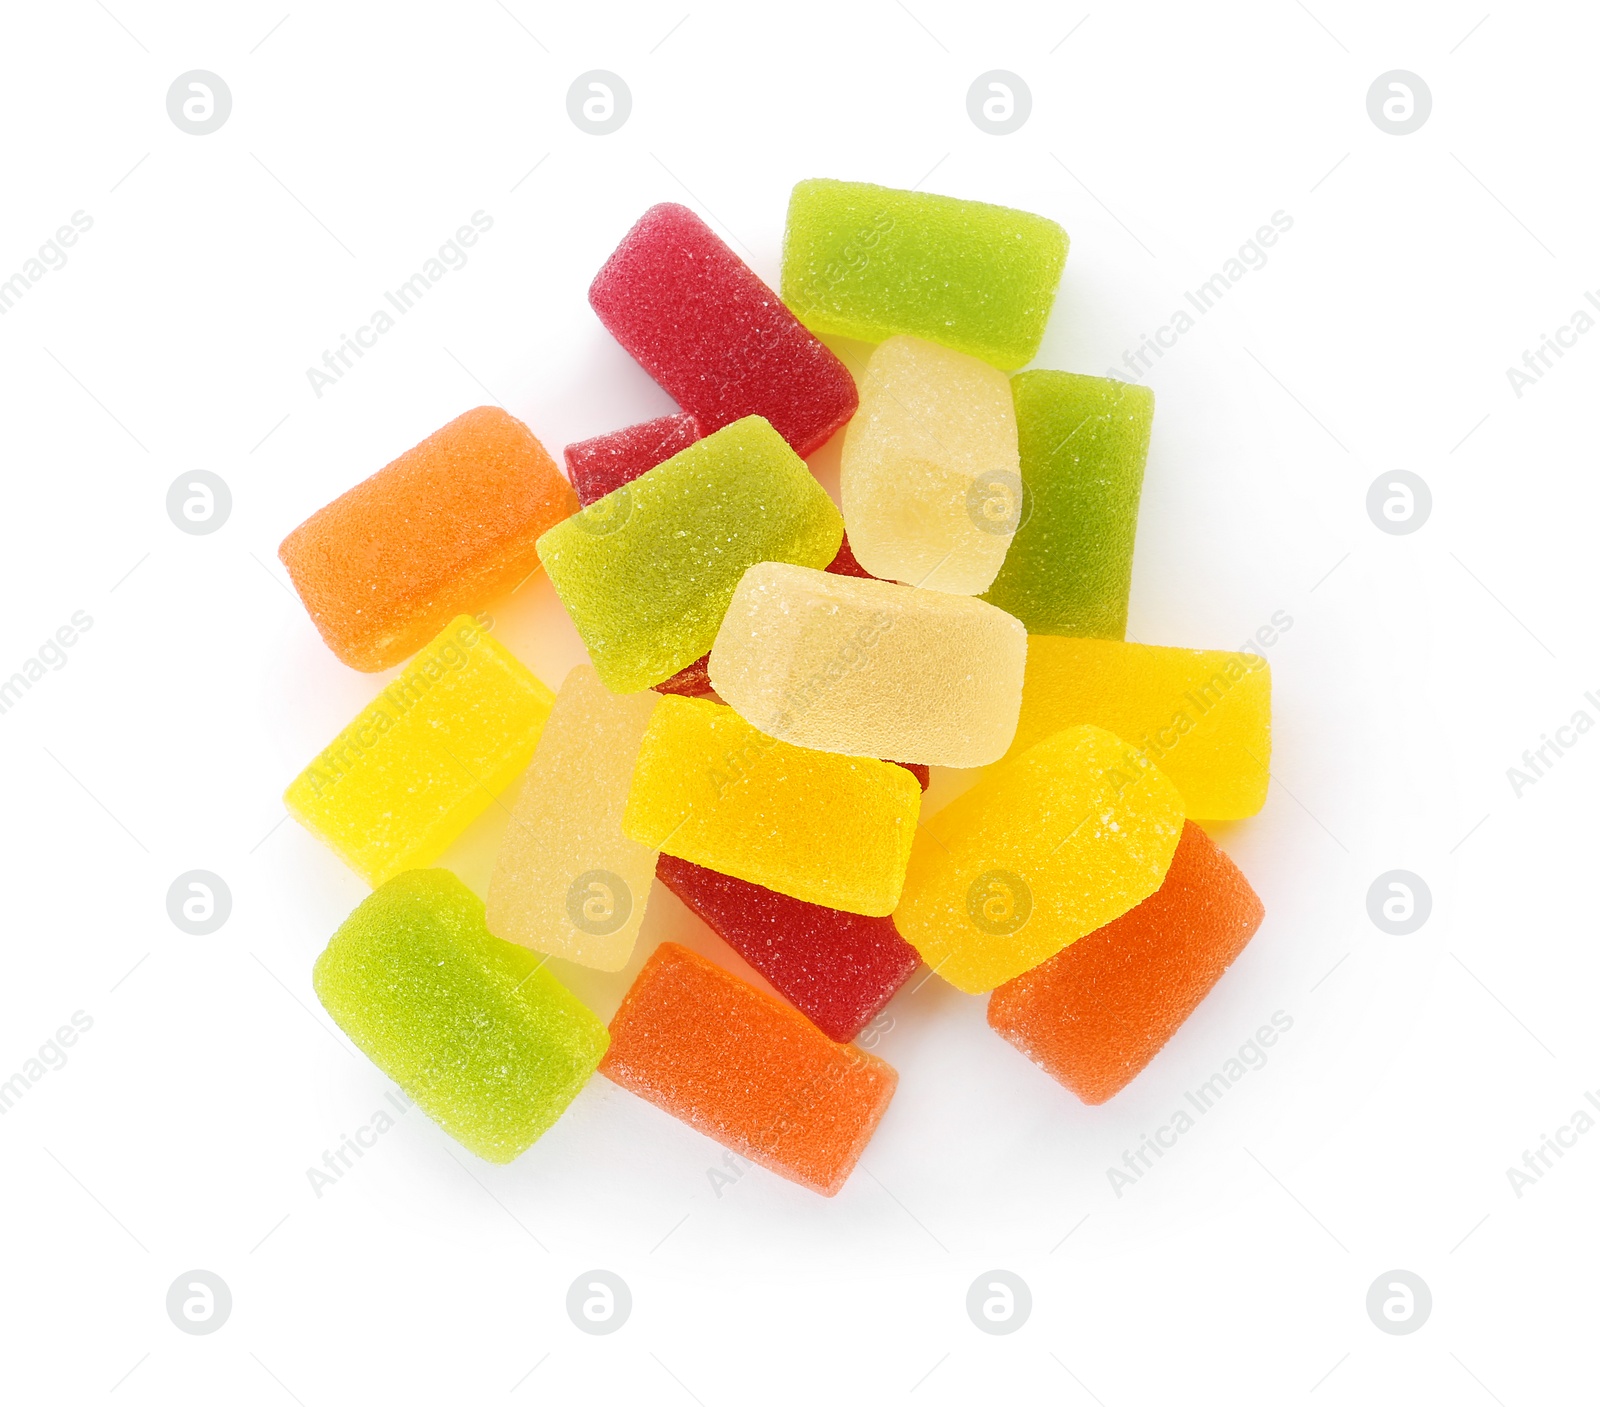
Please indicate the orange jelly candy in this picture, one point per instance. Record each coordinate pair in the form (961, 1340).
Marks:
(746, 1070)
(1097, 1013)
(444, 528)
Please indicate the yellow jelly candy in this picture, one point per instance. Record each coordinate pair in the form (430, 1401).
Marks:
(567, 881)
(929, 476)
(425, 757)
(1203, 716)
(1047, 847)
(816, 826)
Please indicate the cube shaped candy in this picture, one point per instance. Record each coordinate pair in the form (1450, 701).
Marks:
(447, 526)
(647, 571)
(487, 1042)
(1047, 847)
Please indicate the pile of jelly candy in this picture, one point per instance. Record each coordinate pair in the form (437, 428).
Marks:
(770, 678)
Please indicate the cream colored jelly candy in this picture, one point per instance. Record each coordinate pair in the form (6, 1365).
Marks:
(816, 826)
(425, 757)
(1045, 848)
(567, 881)
(928, 476)
(1203, 716)
(871, 668)
(647, 571)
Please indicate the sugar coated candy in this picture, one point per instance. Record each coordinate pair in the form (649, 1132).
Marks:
(489, 1045)
(1098, 1012)
(425, 757)
(1203, 716)
(719, 341)
(444, 528)
(647, 571)
(746, 1070)
(566, 880)
(928, 473)
(867, 262)
(607, 462)
(816, 826)
(870, 668)
(839, 968)
(1082, 441)
(1047, 847)
(693, 681)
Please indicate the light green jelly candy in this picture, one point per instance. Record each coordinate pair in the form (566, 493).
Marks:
(866, 261)
(488, 1043)
(1082, 442)
(646, 573)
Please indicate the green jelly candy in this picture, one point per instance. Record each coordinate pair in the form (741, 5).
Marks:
(1082, 441)
(646, 573)
(866, 261)
(488, 1043)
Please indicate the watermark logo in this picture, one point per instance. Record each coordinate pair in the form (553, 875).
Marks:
(1399, 902)
(52, 1056)
(199, 502)
(52, 256)
(448, 258)
(1399, 1302)
(999, 1302)
(51, 654)
(999, 902)
(1252, 1055)
(1252, 257)
(999, 102)
(1399, 502)
(1542, 1158)
(1398, 102)
(1537, 761)
(598, 102)
(199, 1302)
(599, 1302)
(199, 902)
(998, 502)
(198, 102)
(599, 902)
(343, 1156)
(605, 515)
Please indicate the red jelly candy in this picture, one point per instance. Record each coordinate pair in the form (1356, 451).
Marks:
(607, 462)
(693, 681)
(839, 969)
(1096, 1014)
(843, 564)
(715, 337)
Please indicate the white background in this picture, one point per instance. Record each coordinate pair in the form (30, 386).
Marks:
(1417, 669)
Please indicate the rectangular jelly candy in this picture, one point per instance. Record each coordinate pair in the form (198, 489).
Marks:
(813, 825)
(1047, 847)
(447, 526)
(1203, 716)
(869, 667)
(1097, 1013)
(866, 261)
(744, 1069)
(928, 475)
(647, 571)
(1083, 441)
(425, 757)
(839, 968)
(566, 880)
(607, 462)
(490, 1046)
(719, 341)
